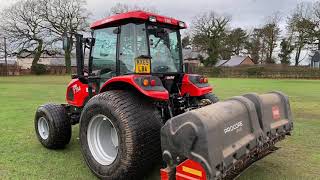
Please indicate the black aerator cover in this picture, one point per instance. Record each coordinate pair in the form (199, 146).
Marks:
(274, 113)
(215, 136)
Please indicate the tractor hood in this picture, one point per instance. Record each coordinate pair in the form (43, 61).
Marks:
(222, 135)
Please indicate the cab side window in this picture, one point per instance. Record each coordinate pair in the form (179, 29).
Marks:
(104, 50)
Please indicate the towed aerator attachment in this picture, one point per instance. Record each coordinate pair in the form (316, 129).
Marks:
(219, 141)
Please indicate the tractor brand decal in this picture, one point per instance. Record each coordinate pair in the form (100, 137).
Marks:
(275, 113)
(169, 77)
(234, 127)
(76, 89)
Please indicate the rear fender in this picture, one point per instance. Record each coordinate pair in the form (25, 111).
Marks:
(157, 92)
(192, 86)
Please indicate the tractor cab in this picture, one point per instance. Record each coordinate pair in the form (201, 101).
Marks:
(139, 48)
(133, 43)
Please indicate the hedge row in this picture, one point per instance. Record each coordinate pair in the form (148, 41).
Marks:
(272, 71)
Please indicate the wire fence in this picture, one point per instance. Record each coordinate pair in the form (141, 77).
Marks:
(262, 71)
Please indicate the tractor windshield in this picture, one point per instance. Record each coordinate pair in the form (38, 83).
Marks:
(164, 49)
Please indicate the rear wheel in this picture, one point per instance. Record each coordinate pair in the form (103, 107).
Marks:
(120, 135)
(211, 97)
(52, 128)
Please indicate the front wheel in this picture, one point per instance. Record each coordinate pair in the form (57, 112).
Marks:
(120, 135)
(52, 127)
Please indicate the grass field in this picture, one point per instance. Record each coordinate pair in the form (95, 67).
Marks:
(22, 157)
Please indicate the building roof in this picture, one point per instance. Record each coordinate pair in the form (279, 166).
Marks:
(133, 15)
(60, 62)
(10, 60)
(220, 62)
(234, 61)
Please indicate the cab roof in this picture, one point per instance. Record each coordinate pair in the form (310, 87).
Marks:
(134, 15)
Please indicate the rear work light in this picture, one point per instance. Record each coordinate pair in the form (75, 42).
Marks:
(153, 19)
(182, 24)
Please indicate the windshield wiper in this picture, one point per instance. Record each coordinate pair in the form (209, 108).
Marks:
(155, 46)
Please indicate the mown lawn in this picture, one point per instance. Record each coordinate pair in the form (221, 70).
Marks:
(22, 157)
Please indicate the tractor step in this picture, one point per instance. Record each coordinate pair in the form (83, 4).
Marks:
(227, 137)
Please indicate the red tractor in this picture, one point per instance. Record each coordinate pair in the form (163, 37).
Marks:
(137, 107)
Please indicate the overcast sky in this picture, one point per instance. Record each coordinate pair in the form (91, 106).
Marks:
(244, 13)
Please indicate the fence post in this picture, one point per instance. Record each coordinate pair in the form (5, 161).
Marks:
(5, 55)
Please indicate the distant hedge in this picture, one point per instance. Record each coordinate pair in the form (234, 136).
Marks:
(261, 71)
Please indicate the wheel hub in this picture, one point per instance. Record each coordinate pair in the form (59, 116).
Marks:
(43, 128)
(103, 139)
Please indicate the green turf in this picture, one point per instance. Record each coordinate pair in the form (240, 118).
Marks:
(22, 157)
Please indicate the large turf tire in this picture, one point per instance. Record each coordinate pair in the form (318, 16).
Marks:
(137, 123)
(58, 132)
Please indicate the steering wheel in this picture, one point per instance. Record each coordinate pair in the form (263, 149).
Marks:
(104, 71)
(162, 69)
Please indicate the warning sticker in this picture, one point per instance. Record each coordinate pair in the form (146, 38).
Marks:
(276, 113)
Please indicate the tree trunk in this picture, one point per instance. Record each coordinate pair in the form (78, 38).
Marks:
(37, 53)
(67, 56)
(298, 56)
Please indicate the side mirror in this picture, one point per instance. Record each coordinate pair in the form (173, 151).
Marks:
(65, 42)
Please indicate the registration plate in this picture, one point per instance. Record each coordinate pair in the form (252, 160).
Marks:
(142, 65)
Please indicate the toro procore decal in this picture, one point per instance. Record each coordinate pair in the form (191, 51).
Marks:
(233, 127)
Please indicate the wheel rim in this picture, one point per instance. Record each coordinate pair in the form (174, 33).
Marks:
(103, 140)
(43, 128)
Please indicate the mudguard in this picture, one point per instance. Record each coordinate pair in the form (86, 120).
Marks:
(215, 136)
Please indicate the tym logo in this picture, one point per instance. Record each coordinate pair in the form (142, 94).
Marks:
(234, 127)
(76, 89)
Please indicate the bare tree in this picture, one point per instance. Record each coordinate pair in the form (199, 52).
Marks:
(254, 45)
(286, 50)
(316, 21)
(236, 40)
(122, 8)
(209, 32)
(1, 45)
(271, 32)
(22, 25)
(301, 27)
(65, 16)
